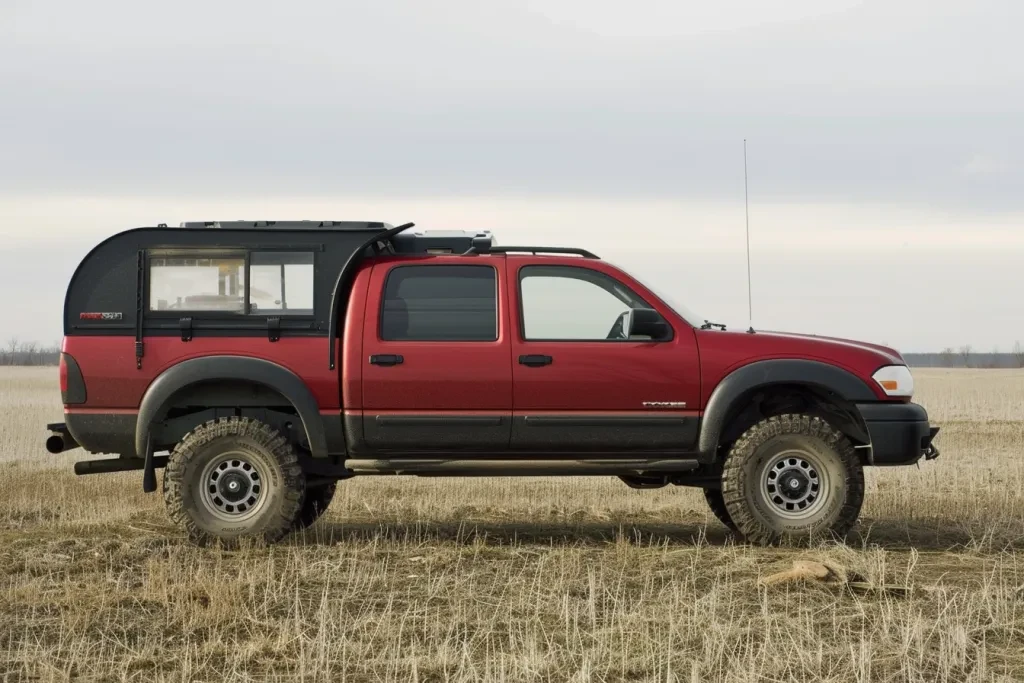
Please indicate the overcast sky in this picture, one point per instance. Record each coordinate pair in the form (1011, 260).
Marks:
(886, 142)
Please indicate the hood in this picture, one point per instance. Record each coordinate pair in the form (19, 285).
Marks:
(721, 351)
(892, 355)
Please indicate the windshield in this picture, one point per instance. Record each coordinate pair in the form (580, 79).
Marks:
(683, 312)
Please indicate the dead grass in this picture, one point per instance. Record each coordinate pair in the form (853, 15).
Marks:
(518, 580)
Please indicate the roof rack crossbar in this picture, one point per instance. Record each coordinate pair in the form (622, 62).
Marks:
(532, 250)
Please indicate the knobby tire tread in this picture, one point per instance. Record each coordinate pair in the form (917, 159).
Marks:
(733, 475)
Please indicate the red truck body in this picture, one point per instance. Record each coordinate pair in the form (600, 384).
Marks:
(379, 368)
(478, 378)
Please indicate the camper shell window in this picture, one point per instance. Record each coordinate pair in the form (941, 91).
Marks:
(230, 282)
(281, 282)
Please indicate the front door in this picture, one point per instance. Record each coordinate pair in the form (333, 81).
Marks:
(438, 370)
(580, 382)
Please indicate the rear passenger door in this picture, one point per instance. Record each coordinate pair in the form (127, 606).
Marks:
(438, 364)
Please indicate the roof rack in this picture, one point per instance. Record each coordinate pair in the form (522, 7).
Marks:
(289, 225)
(484, 249)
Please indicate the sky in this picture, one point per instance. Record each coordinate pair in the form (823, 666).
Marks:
(885, 143)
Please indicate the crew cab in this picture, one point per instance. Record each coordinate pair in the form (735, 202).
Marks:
(260, 363)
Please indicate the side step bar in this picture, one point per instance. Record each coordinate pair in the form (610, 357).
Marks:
(443, 467)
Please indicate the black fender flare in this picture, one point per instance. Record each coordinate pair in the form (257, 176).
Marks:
(764, 373)
(276, 377)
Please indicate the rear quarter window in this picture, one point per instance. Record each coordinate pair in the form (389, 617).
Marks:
(440, 303)
(197, 282)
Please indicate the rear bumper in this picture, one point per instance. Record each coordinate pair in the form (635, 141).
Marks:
(900, 433)
(100, 432)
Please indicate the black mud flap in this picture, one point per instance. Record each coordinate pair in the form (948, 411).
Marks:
(149, 469)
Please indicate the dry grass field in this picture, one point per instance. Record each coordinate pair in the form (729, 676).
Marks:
(518, 580)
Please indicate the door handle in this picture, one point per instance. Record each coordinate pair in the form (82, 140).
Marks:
(535, 361)
(386, 359)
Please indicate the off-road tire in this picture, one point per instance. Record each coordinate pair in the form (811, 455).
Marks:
(318, 499)
(282, 485)
(717, 504)
(774, 443)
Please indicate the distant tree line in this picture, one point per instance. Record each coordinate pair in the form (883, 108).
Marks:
(17, 352)
(967, 357)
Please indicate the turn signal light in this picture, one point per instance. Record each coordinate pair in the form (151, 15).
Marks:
(895, 380)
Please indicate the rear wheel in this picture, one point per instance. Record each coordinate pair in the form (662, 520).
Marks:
(792, 478)
(232, 479)
(717, 504)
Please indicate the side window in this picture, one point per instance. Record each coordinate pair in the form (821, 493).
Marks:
(568, 303)
(440, 303)
(193, 281)
(281, 282)
(276, 282)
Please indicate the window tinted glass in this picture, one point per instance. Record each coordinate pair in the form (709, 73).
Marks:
(196, 282)
(440, 303)
(281, 282)
(567, 303)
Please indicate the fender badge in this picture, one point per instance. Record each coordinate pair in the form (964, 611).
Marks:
(99, 316)
(664, 404)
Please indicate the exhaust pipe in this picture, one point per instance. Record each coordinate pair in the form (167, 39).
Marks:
(60, 440)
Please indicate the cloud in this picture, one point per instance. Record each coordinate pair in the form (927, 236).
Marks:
(841, 101)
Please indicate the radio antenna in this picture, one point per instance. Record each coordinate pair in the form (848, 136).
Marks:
(746, 204)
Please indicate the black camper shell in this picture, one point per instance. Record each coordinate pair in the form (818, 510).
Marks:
(109, 293)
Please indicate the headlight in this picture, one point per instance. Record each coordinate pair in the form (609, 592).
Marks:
(895, 380)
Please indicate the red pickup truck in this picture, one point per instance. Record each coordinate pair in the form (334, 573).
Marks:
(259, 363)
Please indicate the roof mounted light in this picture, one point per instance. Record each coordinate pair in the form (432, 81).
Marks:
(481, 244)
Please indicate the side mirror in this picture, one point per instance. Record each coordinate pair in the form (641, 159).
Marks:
(649, 323)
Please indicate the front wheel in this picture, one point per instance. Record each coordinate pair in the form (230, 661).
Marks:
(234, 478)
(792, 478)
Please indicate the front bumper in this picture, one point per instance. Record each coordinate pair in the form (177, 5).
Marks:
(900, 433)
